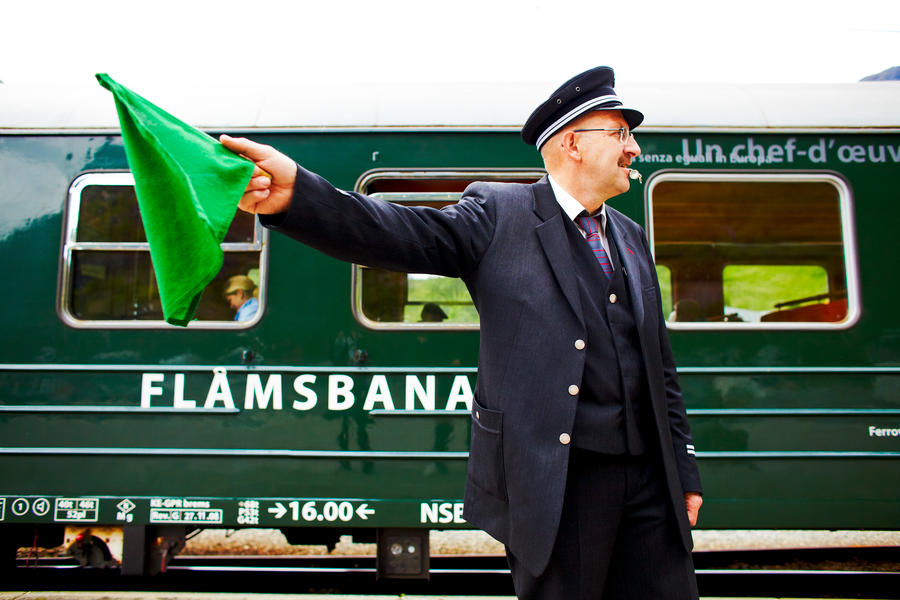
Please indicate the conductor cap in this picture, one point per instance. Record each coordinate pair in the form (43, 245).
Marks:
(588, 91)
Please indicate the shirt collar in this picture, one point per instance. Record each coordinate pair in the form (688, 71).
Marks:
(572, 207)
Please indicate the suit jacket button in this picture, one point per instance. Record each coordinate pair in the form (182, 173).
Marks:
(573, 390)
(613, 298)
(564, 439)
(579, 344)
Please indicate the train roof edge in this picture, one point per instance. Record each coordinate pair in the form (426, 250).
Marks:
(865, 105)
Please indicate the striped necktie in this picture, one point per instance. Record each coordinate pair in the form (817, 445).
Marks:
(589, 224)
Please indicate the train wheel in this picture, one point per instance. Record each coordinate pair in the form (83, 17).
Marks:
(90, 551)
(148, 550)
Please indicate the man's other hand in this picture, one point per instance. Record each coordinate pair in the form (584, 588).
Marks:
(692, 502)
(264, 195)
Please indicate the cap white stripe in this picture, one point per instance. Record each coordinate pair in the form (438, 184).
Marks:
(559, 123)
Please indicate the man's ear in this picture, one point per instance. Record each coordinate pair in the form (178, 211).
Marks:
(570, 147)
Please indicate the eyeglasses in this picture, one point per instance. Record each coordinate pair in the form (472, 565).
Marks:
(624, 132)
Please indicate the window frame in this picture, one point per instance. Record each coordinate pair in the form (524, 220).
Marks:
(362, 184)
(70, 245)
(848, 241)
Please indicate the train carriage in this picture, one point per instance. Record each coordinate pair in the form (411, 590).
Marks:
(342, 405)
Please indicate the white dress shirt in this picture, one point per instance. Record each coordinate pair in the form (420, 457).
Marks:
(573, 209)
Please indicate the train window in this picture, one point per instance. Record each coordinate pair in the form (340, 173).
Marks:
(747, 250)
(389, 300)
(107, 278)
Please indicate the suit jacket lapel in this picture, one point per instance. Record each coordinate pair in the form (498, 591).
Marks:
(627, 249)
(552, 236)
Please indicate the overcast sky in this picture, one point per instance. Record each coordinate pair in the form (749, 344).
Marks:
(143, 43)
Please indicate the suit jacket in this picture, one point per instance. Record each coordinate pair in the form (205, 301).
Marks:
(508, 244)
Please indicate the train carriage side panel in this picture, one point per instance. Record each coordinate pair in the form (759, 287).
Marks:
(344, 405)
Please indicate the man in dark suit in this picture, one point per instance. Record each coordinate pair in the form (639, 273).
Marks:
(581, 459)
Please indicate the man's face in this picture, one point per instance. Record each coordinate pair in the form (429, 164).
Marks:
(236, 299)
(605, 159)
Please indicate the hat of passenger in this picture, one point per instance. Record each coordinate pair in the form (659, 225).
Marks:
(433, 312)
(591, 90)
(238, 283)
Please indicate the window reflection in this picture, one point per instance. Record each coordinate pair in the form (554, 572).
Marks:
(389, 299)
(109, 213)
(108, 273)
(750, 251)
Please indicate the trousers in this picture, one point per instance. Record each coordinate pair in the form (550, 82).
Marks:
(617, 538)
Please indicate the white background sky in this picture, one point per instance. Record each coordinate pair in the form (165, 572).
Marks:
(145, 43)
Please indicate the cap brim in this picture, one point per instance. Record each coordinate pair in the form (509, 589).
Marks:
(632, 116)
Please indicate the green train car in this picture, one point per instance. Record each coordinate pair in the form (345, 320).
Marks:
(342, 405)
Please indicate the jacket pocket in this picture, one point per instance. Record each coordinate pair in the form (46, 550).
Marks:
(651, 307)
(485, 466)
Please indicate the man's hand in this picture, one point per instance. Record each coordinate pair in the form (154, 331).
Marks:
(264, 195)
(692, 502)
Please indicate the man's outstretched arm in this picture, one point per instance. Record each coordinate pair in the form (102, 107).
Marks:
(352, 227)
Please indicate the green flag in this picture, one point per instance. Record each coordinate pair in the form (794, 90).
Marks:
(188, 186)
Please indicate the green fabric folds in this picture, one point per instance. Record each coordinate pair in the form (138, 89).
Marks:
(188, 186)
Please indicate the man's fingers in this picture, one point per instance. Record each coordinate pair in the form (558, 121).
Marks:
(271, 187)
(692, 502)
(250, 201)
(248, 148)
(259, 182)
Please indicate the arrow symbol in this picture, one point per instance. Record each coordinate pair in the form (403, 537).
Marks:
(278, 510)
(363, 511)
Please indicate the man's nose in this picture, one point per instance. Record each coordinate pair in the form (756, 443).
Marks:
(631, 147)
